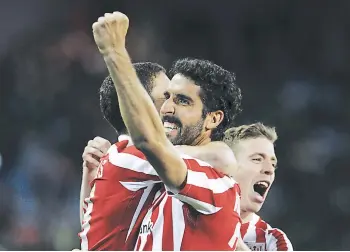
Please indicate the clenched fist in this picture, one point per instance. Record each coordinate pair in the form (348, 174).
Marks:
(94, 150)
(110, 31)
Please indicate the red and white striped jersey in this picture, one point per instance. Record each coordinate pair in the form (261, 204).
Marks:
(204, 215)
(260, 236)
(123, 190)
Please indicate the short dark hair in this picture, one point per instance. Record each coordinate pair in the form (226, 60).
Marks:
(219, 90)
(146, 72)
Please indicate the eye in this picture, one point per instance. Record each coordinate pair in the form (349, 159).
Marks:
(257, 159)
(183, 101)
(166, 95)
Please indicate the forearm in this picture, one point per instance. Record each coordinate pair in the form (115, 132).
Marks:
(85, 189)
(142, 121)
(136, 107)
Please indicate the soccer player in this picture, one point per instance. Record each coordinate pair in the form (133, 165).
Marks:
(196, 202)
(101, 227)
(108, 210)
(253, 146)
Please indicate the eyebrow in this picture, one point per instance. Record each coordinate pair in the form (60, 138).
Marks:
(184, 97)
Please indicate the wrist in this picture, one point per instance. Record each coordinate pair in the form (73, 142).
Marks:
(89, 173)
(113, 52)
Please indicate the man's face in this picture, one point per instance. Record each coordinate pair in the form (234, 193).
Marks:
(256, 171)
(160, 85)
(182, 111)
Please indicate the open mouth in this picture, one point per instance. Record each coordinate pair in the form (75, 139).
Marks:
(169, 127)
(261, 187)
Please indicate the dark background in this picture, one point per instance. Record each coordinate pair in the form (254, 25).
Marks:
(292, 61)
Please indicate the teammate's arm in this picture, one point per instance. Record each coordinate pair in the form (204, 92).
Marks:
(94, 150)
(217, 154)
(137, 109)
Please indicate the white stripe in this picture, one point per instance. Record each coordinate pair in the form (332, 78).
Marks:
(178, 223)
(135, 186)
(218, 185)
(271, 242)
(113, 150)
(237, 207)
(200, 162)
(131, 162)
(200, 206)
(142, 201)
(250, 236)
(86, 221)
(158, 227)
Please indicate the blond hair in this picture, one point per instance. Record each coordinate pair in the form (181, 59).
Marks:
(251, 131)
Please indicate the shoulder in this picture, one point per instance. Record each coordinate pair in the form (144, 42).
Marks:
(199, 170)
(276, 239)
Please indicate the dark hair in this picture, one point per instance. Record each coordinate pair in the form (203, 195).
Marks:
(219, 90)
(146, 72)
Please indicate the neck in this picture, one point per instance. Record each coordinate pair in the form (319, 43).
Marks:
(246, 216)
(201, 140)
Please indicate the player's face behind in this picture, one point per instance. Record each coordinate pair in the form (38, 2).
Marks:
(153, 78)
(256, 171)
(201, 102)
(160, 84)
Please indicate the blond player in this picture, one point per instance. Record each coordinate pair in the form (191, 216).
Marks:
(253, 146)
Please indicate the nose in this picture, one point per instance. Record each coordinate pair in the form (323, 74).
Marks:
(268, 168)
(167, 107)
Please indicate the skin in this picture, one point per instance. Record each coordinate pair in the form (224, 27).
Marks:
(99, 146)
(182, 114)
(160, 84)
(256, 162)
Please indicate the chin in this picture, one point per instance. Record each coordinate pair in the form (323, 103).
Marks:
(255, 207)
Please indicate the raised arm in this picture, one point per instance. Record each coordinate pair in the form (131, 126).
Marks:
(137, 109)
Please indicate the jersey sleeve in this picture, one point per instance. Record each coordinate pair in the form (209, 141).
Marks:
(277, 240)
(206, 189)
(134, 171)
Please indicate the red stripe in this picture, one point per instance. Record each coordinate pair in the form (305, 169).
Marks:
(168, 242)
(138, 244)
(261, 226)
(244, 229)
(132, 150)
(281, 243)
(121, 145)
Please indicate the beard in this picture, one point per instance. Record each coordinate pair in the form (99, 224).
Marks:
(186, 134)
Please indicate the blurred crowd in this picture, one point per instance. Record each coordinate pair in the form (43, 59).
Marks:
(292, 63)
